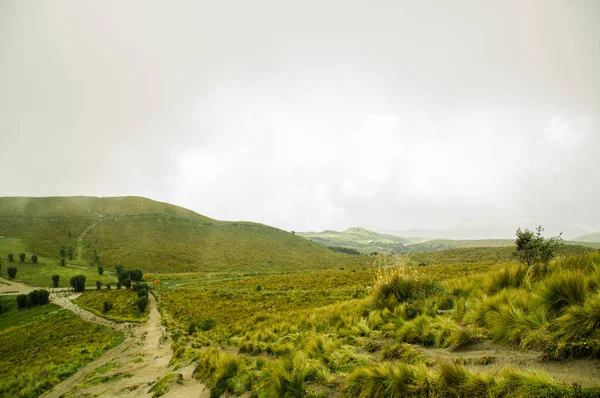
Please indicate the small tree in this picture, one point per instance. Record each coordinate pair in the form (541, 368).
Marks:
(22, 257)
(22, 300)
(12, 272)
(34, 259)
(136, 275)
(62, 261)
(534, 251)
(11, 257)
(126, 283)
(100, 270)
(142, 303)
(118, 285)
(55, 280)
(70, 252)
(78, 283)
(98, 285)
(39, 297)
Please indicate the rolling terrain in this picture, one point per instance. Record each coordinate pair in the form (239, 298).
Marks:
(158, 237)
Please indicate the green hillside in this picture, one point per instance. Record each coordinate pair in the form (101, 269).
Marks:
(447, 244)
(591, 238)
(155, 236)
(360, 239)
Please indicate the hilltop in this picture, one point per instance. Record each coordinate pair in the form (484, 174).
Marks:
(590, 238)
(155, 236)
(360, 239)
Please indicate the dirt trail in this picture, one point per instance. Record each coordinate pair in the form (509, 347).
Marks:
(132, 368)
(583, 371)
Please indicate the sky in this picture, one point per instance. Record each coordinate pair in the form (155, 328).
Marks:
(465, 117)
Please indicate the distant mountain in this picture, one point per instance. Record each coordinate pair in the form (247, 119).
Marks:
(591, 238)
(360, 239)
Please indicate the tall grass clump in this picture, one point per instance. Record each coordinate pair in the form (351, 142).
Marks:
(580, 321)
(563, 289)
(508, 277)
(389, 380)
(400, 283)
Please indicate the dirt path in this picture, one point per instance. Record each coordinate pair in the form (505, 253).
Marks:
(12, 287)
(583, 371)
(132, 368)
(82, 235)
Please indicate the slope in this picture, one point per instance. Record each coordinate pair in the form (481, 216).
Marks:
(590, 238)
(155, 236)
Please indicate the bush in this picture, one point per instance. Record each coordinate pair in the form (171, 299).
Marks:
(118, 285)
(22, 257)
(78, 283)
(34, 259)
(107, 286)
(126, 283)
(533, 250)
(11, 257)
(142, 303)
(100, 270)
(3, 308)
(39, 297)
(136, 275)
(107, 306)
(207, 324)
(143, 293)
(22, 300)
(12, 272)
(55, 280)
(62, 261)
(98, 285)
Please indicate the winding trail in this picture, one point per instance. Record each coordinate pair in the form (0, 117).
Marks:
(127, 370)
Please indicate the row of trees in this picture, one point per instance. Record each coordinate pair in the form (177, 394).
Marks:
(36, 297)
(22, 258)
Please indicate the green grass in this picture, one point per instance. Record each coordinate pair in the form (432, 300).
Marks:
(17, 317)
(124, 302)
(158, 237)
(40, 274)
(40, 354)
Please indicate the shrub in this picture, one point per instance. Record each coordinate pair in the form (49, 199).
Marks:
(55, 280)
(142, 303)
(100, 270)
(22, 257)
(3, 308)
(136, 275)
(98, 285)
(118, 285)
(34, 259)
(12, 272)
(78, 283)
(107, 286)
(39, 297)
(11, 257)
(207, 324)
(143, 293)
(107, 306)
(71, 252)
(62, 261)
(533, 250)
(62, 252)
(126, 283)
(22, 300)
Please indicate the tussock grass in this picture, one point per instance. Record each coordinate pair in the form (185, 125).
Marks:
(563, 289)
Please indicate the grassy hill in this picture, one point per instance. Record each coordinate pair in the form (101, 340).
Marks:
(591, 238)
(360, 239)
(154, 236)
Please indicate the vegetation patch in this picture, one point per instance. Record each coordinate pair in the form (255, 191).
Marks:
(123, 305)
(43, 352)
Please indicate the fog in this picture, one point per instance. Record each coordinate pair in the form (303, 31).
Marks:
(468, 118)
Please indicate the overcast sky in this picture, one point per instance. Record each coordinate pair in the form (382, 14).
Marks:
(310, 115)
